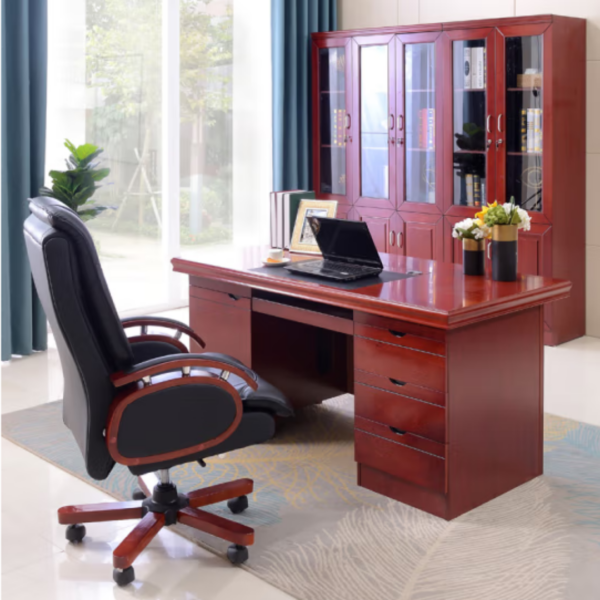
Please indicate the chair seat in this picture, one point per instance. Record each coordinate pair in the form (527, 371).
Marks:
(266, 398)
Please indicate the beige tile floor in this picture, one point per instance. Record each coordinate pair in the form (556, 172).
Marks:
(37, 562)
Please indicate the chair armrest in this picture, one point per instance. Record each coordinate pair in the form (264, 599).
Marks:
(175, 362)
(130, 395)
(179, 327)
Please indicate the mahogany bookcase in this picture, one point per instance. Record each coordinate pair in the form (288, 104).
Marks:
(416, 126)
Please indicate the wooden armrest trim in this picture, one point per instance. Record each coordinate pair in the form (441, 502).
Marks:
(146, 321)
(120, 379)
(123, 400)
(159, 338)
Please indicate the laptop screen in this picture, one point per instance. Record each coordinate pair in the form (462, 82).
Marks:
(345, 240)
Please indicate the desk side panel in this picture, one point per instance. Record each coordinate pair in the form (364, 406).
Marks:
(495, 407)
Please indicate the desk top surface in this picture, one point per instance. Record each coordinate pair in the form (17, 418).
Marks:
(441, 297)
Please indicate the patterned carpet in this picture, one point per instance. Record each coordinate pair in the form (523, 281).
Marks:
(320, 537)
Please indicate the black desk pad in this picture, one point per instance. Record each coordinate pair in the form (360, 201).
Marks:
(383, 277)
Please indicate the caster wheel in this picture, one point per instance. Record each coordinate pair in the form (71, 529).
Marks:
(123, 577)
(138, 495)
(75, 533)
(237, 554)
(238, 505)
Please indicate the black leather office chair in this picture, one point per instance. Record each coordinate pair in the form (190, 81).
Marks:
(143, 401)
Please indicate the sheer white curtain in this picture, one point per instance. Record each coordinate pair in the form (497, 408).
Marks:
(190, 167)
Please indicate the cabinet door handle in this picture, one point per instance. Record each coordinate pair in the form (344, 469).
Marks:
(398, 240)
(397, 334)
(498, 142)
(233, 297)
(500, 123)
(348, 120)
(487, 124)
(391, 238)
(400, 122)
(397, 431)
(401, 243)
(391, 122)
(398, 382)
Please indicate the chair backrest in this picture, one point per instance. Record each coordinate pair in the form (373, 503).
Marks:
(90, 338)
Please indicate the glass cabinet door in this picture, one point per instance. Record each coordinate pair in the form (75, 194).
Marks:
(471, 122)
(419, 123)
(376, 123)
(523, 127)
(333, 122)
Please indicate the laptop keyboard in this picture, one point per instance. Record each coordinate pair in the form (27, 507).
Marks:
(335, 267)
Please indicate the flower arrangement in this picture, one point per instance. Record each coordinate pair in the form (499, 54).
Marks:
(504, 214)
(471, 229)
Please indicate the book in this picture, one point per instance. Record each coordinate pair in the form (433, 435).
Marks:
(430, 129)
(537, 129)
(291, 204)
(337, 127)
(530, 133)
(467, 68)
(524, 130)
(476, 190)
(477, 65)
(484, 67)
(469, 186)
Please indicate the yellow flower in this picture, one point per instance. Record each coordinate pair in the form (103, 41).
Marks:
(481, 214)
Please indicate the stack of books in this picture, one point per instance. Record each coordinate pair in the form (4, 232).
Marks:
(284, 209)
(531, 130)
(474, 189)
(475, 68)
(337, 127)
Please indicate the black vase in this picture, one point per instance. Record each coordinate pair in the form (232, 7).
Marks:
(473, 257)
(504, 252)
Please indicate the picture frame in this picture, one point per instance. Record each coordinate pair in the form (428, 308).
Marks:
(303, 240)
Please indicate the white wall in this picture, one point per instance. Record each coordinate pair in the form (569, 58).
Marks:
(355, 14)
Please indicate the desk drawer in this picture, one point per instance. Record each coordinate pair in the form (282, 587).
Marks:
(401, 461)
(401, 333)
(400, 364)
(400, 412)
(400, 387)
(220, 297)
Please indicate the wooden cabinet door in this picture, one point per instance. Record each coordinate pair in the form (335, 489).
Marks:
(469, 119)
(373, 148)
(419, 130)
(523, 159)
(423, 236)
(380, 225)
(224, 327)
(332, 119)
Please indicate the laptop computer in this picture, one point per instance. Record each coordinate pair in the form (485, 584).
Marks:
(349, 252)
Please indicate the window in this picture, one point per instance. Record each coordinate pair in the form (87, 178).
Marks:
(178, 95)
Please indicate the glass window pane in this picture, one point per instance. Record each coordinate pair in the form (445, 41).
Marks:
(332, 98)
(469, 116)
(374, 115)
(104, 87)
(524, 120)
(419, 117)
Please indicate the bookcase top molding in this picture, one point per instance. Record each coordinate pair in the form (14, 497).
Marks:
(432, 27)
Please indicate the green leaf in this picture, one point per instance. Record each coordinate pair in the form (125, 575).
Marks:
(100, 174)
(71, 147)
(83, 151)
(88, 159)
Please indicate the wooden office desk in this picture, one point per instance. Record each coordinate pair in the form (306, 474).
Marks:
(447, 370)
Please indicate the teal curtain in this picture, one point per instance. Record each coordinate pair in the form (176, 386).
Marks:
(24, 58)
(292, 22)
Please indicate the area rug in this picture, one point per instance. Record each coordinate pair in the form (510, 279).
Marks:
(321, 537)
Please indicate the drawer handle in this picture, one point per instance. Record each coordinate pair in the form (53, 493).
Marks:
(233, 297)
(396, 333)
(397, 382)
(397, 431)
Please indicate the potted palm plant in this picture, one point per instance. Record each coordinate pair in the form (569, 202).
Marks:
(76, 186)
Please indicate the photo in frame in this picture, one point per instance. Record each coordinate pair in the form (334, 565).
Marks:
(303, 239)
